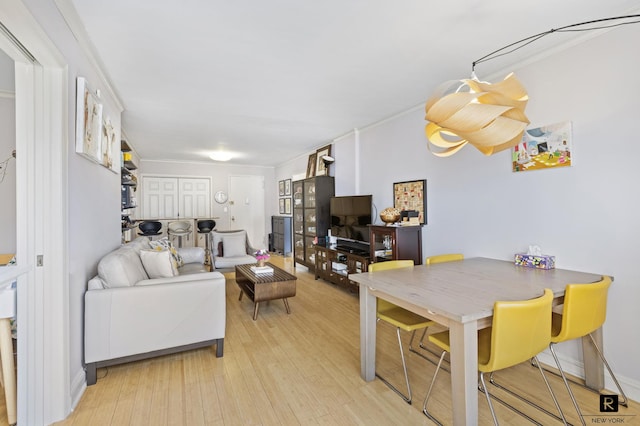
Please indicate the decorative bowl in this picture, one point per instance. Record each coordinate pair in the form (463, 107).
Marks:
(390, 215)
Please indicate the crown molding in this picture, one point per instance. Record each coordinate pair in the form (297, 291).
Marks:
(76, 26)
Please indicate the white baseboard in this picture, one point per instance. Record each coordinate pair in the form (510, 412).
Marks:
(571, 366)
(78, 386)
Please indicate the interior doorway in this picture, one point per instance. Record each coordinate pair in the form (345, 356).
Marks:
(41, 93)
(246, 208)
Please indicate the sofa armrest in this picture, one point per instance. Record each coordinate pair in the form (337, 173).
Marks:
(191, 254)
(126, 321)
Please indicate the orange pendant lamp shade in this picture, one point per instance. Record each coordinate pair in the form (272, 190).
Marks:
(488, 116)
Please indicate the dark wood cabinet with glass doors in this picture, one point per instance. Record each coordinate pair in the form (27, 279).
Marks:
(311, 216)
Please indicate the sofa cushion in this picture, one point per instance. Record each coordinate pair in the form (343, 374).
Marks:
(121, 268)
(218, 236)
(192, 268)
(158, 263)
(234, 245)
(165, 243)
(231, 262)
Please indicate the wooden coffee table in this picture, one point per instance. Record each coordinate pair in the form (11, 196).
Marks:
(260, 287)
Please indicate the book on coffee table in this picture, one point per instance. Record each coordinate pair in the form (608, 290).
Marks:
(262, 269)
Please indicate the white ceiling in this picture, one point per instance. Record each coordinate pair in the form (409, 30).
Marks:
(271, 80)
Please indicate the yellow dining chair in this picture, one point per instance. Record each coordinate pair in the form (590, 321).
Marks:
(432, 260)
(584, 311)
(401, 319)
(441, 258)
(519, 332)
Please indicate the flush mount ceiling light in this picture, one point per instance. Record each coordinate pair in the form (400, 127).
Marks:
(221, 156)
(489, 116)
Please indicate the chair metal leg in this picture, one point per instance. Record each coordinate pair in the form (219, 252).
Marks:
(483, 389)
(422, 346)
(606, 364)
(426, 398)
(566, 383)
(531, 403)
(406, 398)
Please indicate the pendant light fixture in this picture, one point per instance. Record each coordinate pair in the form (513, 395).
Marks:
(490, 117)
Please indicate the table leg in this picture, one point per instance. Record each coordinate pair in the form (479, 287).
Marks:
(464, 372)
(286, 305)
(367, 334)
(255, 310)
(8, 370)
(593, 365)
(241, 293)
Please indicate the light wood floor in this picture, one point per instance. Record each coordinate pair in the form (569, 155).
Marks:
(302, 368)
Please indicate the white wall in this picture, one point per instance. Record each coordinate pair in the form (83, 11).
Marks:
(7, 145)
(8, 185)
(585, 215)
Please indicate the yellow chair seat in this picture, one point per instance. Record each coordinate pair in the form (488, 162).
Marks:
(403, 319)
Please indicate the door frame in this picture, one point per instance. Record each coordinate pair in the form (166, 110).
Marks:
(41, 82)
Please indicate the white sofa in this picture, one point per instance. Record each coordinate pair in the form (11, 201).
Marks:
(231, 248)
(129, 316)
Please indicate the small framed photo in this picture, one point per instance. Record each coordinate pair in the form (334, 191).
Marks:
(287, 187)
(287, 206)
(411, 195)
(281, 188)
(281, 206)
(311, 165)
(321, 169)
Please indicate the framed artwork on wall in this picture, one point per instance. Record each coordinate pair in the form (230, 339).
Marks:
(311, 165)
(88, 122)
(287, 206)
(321, 169)
(281, 206)
(281, 188)
(411, 195)
(287, 187)
(546, 147)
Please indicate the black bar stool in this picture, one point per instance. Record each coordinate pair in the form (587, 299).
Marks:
(205, 226)
(150, 228)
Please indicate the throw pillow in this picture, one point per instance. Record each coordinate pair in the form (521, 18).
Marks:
(234, 245)
(158, 263)
(165, 243)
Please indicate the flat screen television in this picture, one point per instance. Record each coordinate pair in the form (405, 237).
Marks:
(350, 216)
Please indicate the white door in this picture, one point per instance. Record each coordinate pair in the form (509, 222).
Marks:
(246, 208)
(195, 199)
(160, 198)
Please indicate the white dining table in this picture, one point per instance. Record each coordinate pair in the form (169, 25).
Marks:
(460, 295)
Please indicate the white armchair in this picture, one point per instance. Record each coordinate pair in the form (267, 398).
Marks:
(231, 248)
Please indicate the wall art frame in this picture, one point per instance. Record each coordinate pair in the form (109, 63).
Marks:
(287, 187)
(311, 165)
(281, 188)
(321, 169)
(411, 195)
(281, 205)
(543, 148)
(88, 122)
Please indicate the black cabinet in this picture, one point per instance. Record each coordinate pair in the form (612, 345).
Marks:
(281, 234)
(311, 216)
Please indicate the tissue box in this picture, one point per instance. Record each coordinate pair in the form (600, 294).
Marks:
(542, 261)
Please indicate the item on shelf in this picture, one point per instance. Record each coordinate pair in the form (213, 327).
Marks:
(390, 215)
